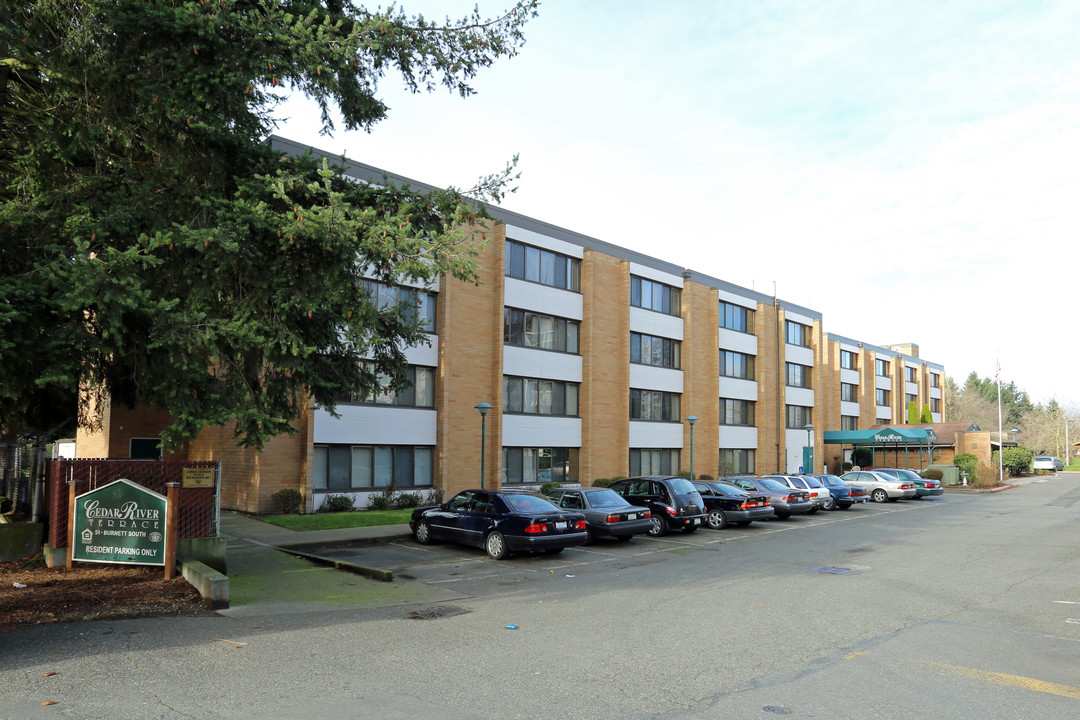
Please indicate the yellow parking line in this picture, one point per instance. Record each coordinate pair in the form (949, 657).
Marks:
(1017, 681)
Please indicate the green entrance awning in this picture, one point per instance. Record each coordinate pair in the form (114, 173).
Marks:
(892, 436)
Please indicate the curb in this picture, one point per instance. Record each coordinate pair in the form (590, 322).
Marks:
(373, 573)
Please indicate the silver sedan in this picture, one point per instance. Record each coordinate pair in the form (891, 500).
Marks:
(882, 487)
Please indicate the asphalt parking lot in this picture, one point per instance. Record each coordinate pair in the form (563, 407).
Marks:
(449, 564)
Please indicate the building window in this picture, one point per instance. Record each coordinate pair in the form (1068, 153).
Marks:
(798, 417)
(364, 467)
(539, 465)
(736, 365)
(935, 405)
(525, 262)
(651, 295)
(736, 317)
(883, 421)
(736, 462)
(910, 374)
(882, 396)
(849, 392)
(419, 304)
(653, 462)
(655, 405)
(849, 360)
(419, 393)
(849, 422)
(736, 412)
(797, 333)
(909, 398)
(798, 375)
(533, 396)
(935, 380)
(881, 368)
(656, 351)
(534, 330)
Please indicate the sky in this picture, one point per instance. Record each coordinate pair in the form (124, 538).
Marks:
(908, 169)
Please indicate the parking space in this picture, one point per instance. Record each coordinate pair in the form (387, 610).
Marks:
(462, 566)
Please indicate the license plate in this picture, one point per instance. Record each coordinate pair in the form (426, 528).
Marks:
(697, 521)
(560, 526)
(631, 516)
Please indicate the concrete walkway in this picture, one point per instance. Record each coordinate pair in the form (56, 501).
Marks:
(272, 571)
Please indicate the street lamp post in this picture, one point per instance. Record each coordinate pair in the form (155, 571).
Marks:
(691, 419)
(483, 408)
(808, 454)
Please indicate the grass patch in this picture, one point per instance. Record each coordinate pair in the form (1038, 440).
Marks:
(333, 521)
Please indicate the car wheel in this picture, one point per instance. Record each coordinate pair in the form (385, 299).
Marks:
(659, 527)
(591, 538)
(496, 546)
(423, 533)
(812, 510)
(783, 516)
(717, 519)
(689, 529)
(879, 496)
(831, 503)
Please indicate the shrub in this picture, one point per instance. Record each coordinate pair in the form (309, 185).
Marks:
(705, 476)
(338, 503)
(287, 501)
(685, 475)
(967, 463)
(602, 482)
(549, 486)
(846, 467)
(379, 501)
(434, 497)
(1016, 460)
(932, 474)
(407, 500)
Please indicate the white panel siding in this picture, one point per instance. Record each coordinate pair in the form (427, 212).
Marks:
(800, 355)
(738, 389)
(656, 435)
(424, 354)
(654, 323)
(799, 396)
(884, 412)
(849, 376)
(543, 241)
(646, 377)
(849, 408)
(543, 299)
(658, 275)
(738, 341)
(526, 362)
(739, 438)
(540, 431)
(375, 425)
(882, 383)
(730, 297)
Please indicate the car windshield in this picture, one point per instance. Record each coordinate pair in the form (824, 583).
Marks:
(813, 482)
(728, 490)
(910, 474)
(832, 481)
(773, 485)
(1044, 458)
(528, 503)
(605, 499)
(682, 486)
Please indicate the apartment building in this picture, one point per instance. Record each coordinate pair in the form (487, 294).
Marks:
(592, 358)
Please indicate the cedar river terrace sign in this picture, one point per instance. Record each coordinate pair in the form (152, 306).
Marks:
(121, 522)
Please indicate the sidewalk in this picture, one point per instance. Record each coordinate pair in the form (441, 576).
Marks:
(272, 571)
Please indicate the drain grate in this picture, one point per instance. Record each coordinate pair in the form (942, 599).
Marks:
(436, 613)
(830, 570)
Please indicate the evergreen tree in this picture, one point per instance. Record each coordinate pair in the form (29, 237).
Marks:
(154, 248)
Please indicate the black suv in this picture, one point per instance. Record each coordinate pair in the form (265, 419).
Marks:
(673, 501)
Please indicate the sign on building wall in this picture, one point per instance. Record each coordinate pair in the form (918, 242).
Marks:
(121, 522)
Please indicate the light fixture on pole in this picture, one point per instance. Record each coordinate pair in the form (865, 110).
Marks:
(483, 408)
(1014, 431)
(691, 419)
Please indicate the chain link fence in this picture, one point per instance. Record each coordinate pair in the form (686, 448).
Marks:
(19, 466)
(199, 507)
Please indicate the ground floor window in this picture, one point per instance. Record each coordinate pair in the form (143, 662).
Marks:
(366, 467)
(849, 422)
(539, 465)
(653, 462)
(736, 462)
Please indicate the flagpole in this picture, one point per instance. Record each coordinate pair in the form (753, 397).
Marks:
(1001, 444)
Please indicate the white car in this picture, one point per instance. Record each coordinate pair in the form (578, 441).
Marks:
(1047, 462)
(883, 488)
(819, 494)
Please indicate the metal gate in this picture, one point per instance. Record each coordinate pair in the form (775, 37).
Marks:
(19, 467)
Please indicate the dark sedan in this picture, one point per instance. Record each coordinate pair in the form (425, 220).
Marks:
(729, 505)
(606, 513)
(673, 501)
(785, 501)
(501, 522)
(843, 495)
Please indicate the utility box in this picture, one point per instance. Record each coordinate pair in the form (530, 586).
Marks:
(950, 474)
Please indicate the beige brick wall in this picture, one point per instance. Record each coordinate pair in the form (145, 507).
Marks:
(469, 322)
(769, 412)
(701, 377)
(605, 350)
